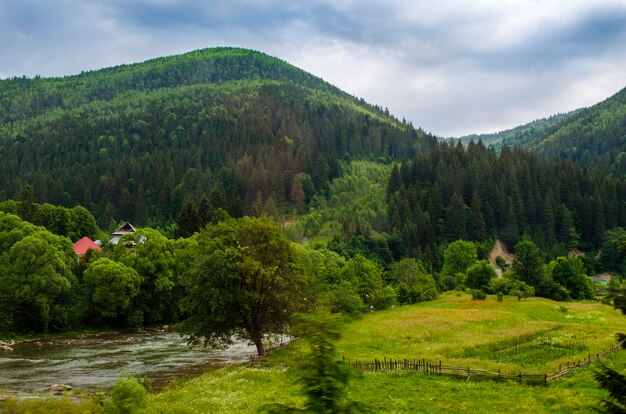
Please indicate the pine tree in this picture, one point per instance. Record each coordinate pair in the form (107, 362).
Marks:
(188, 220)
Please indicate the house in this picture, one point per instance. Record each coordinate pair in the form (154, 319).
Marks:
(602, 279)
(117, 234)
(84, 244)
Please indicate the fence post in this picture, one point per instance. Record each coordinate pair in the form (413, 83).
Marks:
(440, 366)
(545, 379)
(520, 377)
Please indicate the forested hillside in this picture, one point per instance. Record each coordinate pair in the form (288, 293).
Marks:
(594, 136)
(452, 192)
(134, 141)
(522, 136)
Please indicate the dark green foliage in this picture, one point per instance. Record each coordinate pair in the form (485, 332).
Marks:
(593, 136)
(619, 302)
(478, 294)
(615, 384)
(570, 273)
(189, 220)
(478, 193)
(133, 142)
(243, 282)
(528, 266)
(323, 376)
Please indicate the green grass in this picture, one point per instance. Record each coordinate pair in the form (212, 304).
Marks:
(448, 329)
(454, 329)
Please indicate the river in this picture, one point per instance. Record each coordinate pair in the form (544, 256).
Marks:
(92, 361)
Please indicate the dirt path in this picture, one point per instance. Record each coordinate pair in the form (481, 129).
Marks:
(499, 249)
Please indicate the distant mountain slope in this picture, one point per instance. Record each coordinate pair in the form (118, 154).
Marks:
(594, 136)
(523, 136)
(134, 141)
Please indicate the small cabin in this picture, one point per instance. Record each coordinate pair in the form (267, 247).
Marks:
(602, 279)
(117, 234)
(83, 245)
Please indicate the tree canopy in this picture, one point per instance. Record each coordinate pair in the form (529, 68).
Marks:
(243, 283)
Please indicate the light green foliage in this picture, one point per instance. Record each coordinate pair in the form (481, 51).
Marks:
(343, 297)
(35, 276)
(322, 375)
(479, 275)
(414, 283)
(152, 257)
(521, 290)
(50, 405)
(128, 396)
(365, 275)
(500, 285)
(435, 330)
(355, 202)
(458, 256)
(243, 282)
(111, 287)
(570, 273)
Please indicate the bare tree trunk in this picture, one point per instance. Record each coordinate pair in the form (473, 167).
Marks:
(260, 348)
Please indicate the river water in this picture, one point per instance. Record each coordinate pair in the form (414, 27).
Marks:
(92, 361)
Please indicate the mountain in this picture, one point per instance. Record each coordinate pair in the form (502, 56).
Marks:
(134, 141)
(523, 136)
(594, 136)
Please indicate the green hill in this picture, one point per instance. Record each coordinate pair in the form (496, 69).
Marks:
(524, 136)
(594, 136)
(133, 141)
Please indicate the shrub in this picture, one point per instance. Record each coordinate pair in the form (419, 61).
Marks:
(478, 294)
(128, 396)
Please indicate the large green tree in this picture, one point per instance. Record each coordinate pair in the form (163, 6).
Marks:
(458, 256)
(243, 283)
(35, 276)
(152, 257)
(528, 265)
(111, 288)
(479, 275)
(570, 273)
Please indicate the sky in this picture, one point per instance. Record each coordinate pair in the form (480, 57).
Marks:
(451, 67)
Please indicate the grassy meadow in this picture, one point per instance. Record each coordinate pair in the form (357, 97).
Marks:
(531, 336)
(455, 329)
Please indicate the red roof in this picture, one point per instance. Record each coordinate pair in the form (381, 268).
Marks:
(84, 244)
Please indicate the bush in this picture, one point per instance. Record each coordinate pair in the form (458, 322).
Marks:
(478, 294)
(128, 396)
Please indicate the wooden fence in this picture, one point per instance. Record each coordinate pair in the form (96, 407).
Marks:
(424, 367)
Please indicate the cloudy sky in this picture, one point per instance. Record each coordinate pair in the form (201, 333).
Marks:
(452, 67)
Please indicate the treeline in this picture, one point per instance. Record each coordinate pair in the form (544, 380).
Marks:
(73, 223)
(147, 278)
(589, 137)
(241, 122)
(451, 192)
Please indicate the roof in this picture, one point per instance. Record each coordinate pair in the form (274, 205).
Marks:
(124, 228)
(84, 244)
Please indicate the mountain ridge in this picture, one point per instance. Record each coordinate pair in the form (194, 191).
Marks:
(135, 141)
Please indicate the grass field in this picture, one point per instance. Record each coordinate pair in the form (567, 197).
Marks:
(452, 328)
(531, 336)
